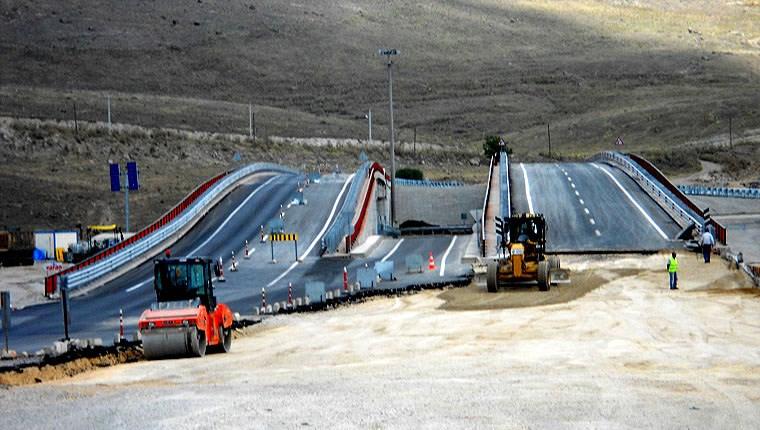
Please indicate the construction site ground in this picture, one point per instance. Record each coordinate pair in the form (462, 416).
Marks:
(627, 352)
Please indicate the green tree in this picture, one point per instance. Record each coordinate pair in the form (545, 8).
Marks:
(491, 146)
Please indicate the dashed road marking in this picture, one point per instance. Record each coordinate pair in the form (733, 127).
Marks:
(586, 210)
(597, 232)
(317, 237)
(632, 200)
(572, 184)
(136, 286)
(577, 193)
(229, 217)
(582, 202)
(591, 220)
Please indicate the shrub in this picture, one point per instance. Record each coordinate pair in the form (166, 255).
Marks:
(491, 146)
(410, 173)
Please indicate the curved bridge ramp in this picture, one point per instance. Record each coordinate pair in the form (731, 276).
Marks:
(592, 207)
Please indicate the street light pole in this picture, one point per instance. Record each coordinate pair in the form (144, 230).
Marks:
(369, 119)
(388, 53)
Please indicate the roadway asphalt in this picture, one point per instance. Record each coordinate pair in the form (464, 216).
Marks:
(224, 230)
(96, 314)
(591, 207)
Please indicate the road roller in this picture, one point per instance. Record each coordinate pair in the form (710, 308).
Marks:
(186, 319)
(522, 256)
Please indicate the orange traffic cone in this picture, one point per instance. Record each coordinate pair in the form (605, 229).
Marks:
(431, 262)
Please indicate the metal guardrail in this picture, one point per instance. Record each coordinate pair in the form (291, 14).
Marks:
(653, 185)
(427, 183)
(359, 225)
(740, 193)
(485, 206)
(114, 261)
(505, 203)
(673, 200)
(341, 226)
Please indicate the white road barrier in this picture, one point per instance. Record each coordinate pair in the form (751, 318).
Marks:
(155, 239)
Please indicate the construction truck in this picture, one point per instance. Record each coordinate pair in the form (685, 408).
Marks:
(16, 248)
(522, 256)
(186, 318)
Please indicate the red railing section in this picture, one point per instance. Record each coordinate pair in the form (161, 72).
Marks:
(376, 167)
(720, 230)
(51, 282)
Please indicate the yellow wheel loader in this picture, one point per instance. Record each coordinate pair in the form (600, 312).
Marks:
(522, 259)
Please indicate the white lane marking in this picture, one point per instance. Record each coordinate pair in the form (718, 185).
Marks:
(577, 193)
(635, 203)
(329, 218)
(446, 255)
(392, 251)
(527, 188)
(229, 217)
(597, 232)
(570, 179)
(317, 237)
(582, 202)
(586, 210)
(136, 286)
(591, 220)
(572, 184)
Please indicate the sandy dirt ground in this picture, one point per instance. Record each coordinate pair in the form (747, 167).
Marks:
(25, 283)
(627, 354)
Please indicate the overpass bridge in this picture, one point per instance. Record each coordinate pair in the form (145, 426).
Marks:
(612, 203)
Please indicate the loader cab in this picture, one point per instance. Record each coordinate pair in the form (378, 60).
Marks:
(529, 230)
(184, 279)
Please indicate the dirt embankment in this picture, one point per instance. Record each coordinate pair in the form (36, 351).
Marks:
(56, 177)
(67, 366)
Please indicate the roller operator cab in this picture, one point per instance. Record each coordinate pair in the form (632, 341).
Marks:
(522, 256)
(186, 318)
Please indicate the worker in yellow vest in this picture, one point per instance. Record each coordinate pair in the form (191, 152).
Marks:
(673, 271)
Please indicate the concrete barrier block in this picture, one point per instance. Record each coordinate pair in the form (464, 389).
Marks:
(276, 307)
(269, 309)
(306, 301)
(96, 342)
(59, 348)
(299, 302)
(283, 305)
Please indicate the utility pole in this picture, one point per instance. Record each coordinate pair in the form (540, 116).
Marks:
(414, 142)
(369, 119)
(250, 121)
(76, 124)
(109, 113)
(388, 53)
(549, 133)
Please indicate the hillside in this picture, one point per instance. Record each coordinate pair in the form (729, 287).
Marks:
(660, 74)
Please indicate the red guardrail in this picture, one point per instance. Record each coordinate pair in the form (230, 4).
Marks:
(720, 230)
(51, 281)
(376, 167)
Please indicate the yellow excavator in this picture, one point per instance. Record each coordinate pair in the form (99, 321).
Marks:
(522, 249)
